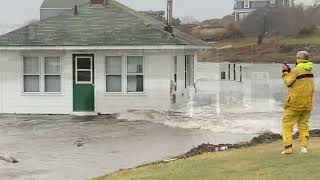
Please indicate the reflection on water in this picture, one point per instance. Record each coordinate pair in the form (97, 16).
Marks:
(253, 105)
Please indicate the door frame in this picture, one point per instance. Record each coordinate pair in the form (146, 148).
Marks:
(74, 73)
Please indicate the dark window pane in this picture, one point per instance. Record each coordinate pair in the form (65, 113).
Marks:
(31, 84)
(135, 83)
(52, 83)
(83, 63)
(223, 75)
(84, 76)
(113, 83)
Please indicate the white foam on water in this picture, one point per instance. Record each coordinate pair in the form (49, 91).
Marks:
(246, 123)
(252, 106)
(205, 118)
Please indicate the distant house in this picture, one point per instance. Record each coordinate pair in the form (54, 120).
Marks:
(243, 8)
(95, 58)
(50, 8)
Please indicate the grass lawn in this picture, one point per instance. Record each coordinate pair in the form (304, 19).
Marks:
(262, 162)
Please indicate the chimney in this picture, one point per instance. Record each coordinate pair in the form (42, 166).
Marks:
(75, 10)
(169, 27)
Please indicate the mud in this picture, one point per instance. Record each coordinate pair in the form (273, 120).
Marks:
(206, 148)
(261, 139)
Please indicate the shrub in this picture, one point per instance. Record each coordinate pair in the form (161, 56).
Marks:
(308, 30)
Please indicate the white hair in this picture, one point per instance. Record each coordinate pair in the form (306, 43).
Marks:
(303, 55)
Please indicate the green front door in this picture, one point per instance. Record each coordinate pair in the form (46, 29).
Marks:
(83, 83)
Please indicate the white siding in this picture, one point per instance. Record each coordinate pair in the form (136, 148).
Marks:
(181, 74)
(195, 67)
(15, 101)
(158, 72)
(1, 83)
(183, 94)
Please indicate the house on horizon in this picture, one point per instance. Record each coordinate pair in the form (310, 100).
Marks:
(243, 8)
(51, 8)
(99, 57)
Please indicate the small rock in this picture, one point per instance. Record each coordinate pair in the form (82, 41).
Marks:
(267, 137)
(223, 148)
(8, 159)
(315, 133)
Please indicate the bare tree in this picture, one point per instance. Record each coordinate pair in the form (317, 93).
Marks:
(279, 21)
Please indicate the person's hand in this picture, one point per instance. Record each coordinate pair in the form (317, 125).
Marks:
(285, 68)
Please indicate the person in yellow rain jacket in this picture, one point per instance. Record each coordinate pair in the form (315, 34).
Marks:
(298, 104)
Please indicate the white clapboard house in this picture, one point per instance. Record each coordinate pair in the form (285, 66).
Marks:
(242, 8)
(97, 57)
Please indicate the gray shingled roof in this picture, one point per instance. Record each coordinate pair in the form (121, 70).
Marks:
(111, 25)
(62, 3)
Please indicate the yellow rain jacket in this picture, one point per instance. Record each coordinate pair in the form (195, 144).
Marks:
(300, 85)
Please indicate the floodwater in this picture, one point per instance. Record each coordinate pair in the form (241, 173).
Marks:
(251, 105)
(46, 146)
(218, 111)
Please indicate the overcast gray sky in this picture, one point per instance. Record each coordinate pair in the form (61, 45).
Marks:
(20, 11)
(23, 11)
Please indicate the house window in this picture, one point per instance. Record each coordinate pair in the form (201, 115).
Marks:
(52, 74)
(31, 74)
(135, 74)
(41, 74)
(247, 4)
(189, 70)
(84, 69)
(114, 74)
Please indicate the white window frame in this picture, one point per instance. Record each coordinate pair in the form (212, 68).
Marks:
(124, 84)
(134, 74)
(84, 70)
(44, 74)
(23, 75)
(108, 74)
(41, 75)
(246, 4)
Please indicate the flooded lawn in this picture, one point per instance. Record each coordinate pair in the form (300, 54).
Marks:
(66, 147)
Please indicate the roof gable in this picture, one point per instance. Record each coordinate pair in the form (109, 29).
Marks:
(111, 25)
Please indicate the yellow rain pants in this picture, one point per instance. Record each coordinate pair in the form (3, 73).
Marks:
(290, 118)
